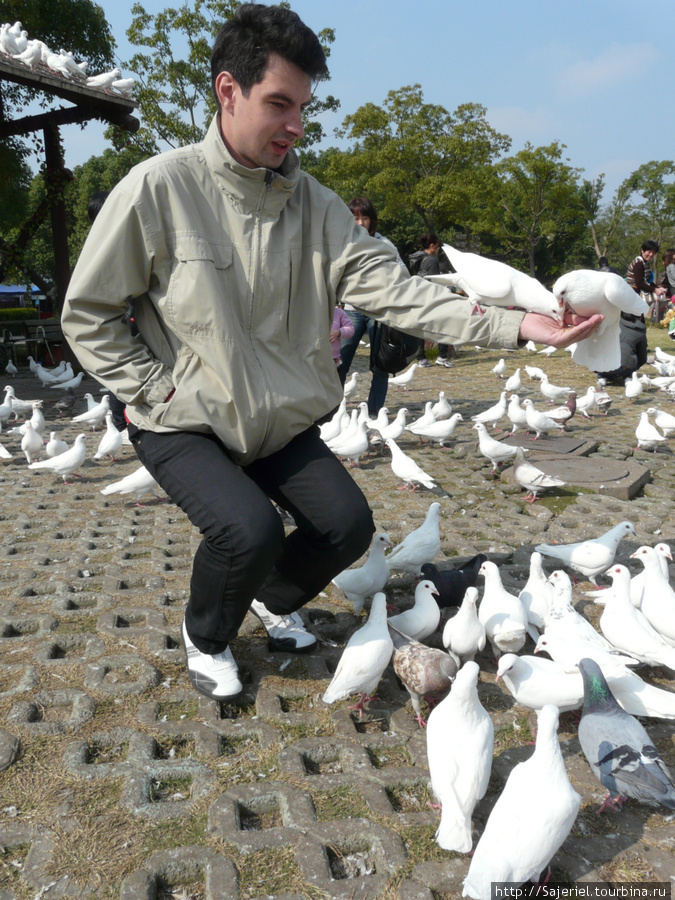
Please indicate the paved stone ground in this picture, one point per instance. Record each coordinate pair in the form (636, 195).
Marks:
(121, 781)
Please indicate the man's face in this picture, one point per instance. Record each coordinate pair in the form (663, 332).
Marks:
(260, 129)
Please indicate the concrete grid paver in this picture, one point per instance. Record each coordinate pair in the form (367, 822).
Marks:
(92, 591)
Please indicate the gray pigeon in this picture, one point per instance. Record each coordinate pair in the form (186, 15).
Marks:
(617, 747)
(425, 671)
(67, 403)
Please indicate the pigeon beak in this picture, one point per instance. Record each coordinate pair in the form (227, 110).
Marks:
(498, 678)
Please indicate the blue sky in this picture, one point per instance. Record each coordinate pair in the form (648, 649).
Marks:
(591, 74)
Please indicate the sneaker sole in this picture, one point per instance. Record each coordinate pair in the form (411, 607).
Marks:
(288, 645)
(201, 682)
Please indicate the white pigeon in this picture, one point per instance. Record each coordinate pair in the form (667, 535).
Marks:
(354, 446)
(370, 578)
(531, 347)
(538, 421)
(91, 402)
(428, 418)
(350, 387)
(70, 66)
(11, 369)
(548, 351)
(111, 441)
(45, 375)
(96, 415)
(637, 583)
(633, 387)
(658, 598)
(531, 819)
(32, 55)
(8, 42)
(628, 629)
(440, 432)
(124, 85)
(423, 617)
(394, 429)
(588, 402)
(502, 614)
(460, 739)
(405, 378)
(635, 696)
(536, 682)
(537, 593)
(603, 401)
(514, 383)
(419, 546)
(347, 432)
(648, 436)
(496, 451)
(64, 385)
(535, 373)
(492, 415)
(405, 468)
(588, 292)
(55, 446)
(31, 443)
(531, 478)
(329, 430)
(464, 633)
(67, 463)
(664, 357)
(554, 393)
(104, 80)
(593, 557)
(487, 281)
(139, 483)
(442, 409)
(66, 374)
(563, 619)
(4, 453)
(516, 414)
(364, 659)
(499, 369)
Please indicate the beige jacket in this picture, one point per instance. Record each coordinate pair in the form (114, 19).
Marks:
(236, 272)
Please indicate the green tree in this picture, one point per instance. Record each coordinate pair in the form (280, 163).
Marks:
(415, 157)
(537, 208)
(173, 70)
(604, 224)
(653, 188)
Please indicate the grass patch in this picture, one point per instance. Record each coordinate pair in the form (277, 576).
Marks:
(170, 790)
(382, 757)
(514, 735)
(273, 871)
(342, 803)
(420, 844)
(410, 797)
(176, 710)
(558, 499)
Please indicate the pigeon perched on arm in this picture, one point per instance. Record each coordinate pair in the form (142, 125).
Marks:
(588, 292)
(530, 820)
(618, 749)
(493, 283)
(452, 584)
(460, 739)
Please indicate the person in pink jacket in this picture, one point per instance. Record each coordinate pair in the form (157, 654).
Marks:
(342, 327)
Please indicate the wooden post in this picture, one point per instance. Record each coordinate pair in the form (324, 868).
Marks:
(57, 209)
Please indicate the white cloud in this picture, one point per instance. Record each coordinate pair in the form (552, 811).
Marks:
(616, 65)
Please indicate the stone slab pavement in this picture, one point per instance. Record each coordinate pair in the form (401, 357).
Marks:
(120, 781)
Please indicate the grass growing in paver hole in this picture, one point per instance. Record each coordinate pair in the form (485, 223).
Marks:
(170, 790)
(342, 803)
(273, 871)
(410, 797)
(516, 734)
(381, 757)
(100, 752)
(12, 860)
(177, 710)
(420, 844)
(178, 746)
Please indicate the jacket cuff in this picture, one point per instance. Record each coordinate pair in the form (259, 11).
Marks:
(160, 389)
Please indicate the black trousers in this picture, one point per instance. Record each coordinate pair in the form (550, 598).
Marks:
(245, 553)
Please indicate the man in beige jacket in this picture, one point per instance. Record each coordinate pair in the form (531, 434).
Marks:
(235, 260)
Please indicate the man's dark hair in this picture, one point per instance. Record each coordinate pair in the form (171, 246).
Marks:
(364, 206)
(244, 43)
(95, 203)
(426, 240)
(651, 245)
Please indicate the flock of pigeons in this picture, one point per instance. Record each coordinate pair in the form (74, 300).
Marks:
(54, 454)
(351, 436)
(588, 669)
(35, 54)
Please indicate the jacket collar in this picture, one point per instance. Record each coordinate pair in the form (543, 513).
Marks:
(244, 185)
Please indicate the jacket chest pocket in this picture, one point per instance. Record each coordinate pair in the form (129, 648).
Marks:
(201, 289)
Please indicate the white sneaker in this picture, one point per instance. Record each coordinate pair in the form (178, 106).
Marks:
(286, 633)
(443, 361)
(214, 676)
